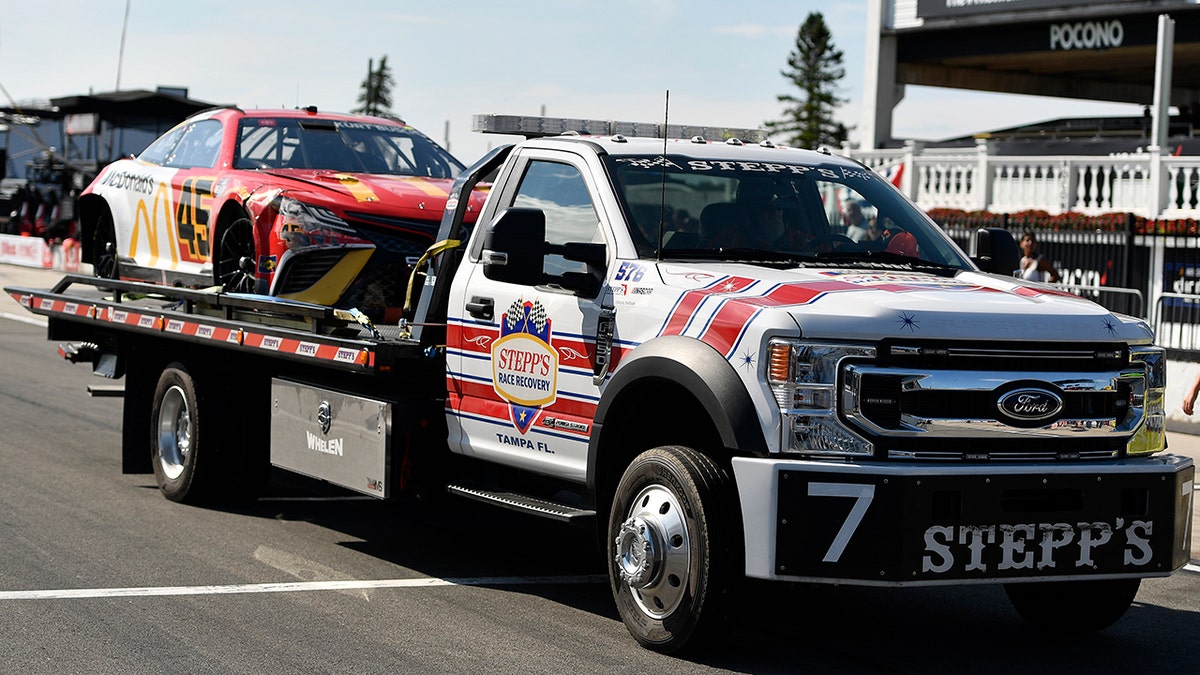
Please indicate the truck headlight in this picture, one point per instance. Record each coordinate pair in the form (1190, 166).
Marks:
(803, 378)
(1149, 438)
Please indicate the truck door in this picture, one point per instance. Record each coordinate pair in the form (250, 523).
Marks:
(520, 358)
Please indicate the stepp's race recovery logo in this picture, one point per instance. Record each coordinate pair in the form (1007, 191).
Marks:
(524, 365)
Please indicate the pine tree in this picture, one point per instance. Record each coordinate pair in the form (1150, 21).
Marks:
(815, 67)
(376, 95)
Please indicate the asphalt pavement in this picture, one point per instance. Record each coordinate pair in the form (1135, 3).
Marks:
(16, 275)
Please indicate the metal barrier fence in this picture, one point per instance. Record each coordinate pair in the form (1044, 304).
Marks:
(1176, 321)
(1122, 300)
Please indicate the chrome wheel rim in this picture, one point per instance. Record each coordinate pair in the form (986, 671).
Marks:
(174, 432)
(653, 551)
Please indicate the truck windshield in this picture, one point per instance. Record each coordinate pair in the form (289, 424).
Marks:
(337, 145)
(739, 210)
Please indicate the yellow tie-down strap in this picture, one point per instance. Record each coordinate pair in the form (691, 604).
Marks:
(431, 252)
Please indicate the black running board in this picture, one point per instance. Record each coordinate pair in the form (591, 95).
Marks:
(525, 504)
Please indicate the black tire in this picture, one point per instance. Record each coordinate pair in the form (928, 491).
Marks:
(1073, 607)
(179, 449)
(237, 259)
(194, 460)
(104, 248)
(673, 547)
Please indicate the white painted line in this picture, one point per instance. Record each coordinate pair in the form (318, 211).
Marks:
(293, 587)
(340, 498)
(24, 319)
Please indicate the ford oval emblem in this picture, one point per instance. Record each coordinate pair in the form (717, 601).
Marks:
(1030, 405)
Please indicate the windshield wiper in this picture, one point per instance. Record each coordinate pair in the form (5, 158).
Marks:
(739, 255)
(887, 257)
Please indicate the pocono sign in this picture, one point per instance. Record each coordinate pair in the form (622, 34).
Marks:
(524, 365)
(1086, 35)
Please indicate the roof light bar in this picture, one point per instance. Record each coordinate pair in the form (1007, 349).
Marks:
(538, 127)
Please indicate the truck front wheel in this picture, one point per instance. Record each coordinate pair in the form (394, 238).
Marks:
(1073, 606)
(672, 542)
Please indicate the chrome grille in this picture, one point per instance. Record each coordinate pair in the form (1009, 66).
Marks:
(935, 402)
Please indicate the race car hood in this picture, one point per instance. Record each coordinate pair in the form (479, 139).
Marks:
(412, 197)
(869, 305)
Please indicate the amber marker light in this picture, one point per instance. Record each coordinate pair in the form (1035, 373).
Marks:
(779, 362)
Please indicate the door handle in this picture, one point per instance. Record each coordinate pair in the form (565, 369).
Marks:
(481, 308)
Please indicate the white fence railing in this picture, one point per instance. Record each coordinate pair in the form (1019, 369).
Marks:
(1147, 184)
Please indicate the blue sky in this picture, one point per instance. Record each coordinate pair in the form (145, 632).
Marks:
(720, 61)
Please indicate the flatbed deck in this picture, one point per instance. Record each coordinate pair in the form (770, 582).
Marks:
(339, 339)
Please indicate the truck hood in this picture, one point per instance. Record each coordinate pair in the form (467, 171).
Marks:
(869, 305)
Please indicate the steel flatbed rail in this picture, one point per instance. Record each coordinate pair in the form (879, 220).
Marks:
(294, 331)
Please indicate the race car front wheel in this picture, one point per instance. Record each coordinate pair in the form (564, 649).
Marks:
(236, 258)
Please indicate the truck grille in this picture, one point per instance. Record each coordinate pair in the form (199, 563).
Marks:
(971, 402)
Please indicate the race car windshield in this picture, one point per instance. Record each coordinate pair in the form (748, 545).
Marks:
(338, 145)
(727, 210)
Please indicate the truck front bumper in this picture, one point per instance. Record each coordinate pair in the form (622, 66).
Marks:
(877, 523)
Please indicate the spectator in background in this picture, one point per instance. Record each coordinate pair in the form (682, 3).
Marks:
(856, 228)
(1189, 399)
(873, 230)
(1035, 266)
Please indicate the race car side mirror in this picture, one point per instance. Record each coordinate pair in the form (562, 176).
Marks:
(995, 251)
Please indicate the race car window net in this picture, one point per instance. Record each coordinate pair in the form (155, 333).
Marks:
(350, 147)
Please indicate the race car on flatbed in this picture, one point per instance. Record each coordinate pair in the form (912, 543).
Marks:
(319, 207)
(682, 343)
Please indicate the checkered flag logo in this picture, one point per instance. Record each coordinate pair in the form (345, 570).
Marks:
(537, 314)
(516, 315)
(513, 316)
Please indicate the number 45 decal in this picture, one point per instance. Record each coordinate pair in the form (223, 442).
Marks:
(862, 494)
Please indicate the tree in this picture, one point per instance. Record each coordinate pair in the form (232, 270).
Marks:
(815, 66)
(376, 95)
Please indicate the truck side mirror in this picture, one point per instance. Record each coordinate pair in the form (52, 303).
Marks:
(514, 247)
(595, 256)
(995, 251)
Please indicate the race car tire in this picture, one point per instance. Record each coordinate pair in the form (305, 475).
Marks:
(236, 257)
(104, 248)
(1073, 607)
(673, 547)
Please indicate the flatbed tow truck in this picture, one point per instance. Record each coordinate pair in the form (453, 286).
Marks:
(681, 343)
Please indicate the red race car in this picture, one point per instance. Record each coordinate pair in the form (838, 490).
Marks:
(316, 207)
